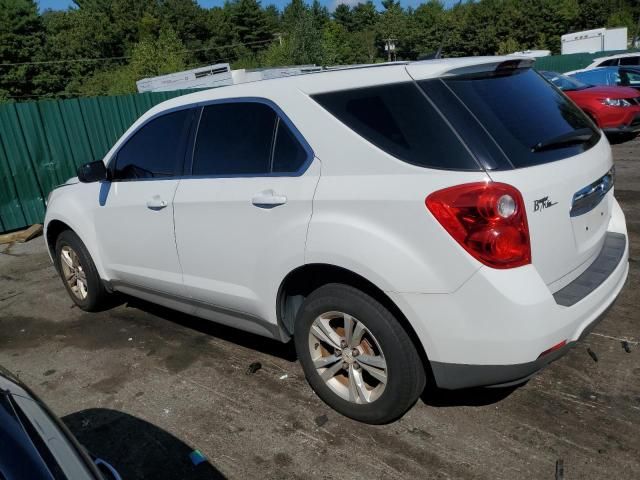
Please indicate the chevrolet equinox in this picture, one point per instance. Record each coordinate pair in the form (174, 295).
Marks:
(450, 222)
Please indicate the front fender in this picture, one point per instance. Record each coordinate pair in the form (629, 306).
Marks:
(72, 205)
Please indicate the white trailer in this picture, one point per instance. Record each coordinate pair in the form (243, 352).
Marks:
(217, 75)
(597, 40)
(531, 53)
(256, 74)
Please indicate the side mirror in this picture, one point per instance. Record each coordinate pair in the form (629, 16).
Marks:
(92, 172)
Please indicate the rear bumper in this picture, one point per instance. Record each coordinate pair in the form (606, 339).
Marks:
(494, 329)
(453, 376)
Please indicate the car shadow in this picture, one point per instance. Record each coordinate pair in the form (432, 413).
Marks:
(468, 397)
(431, 396)
(285, 351)
(136, 448)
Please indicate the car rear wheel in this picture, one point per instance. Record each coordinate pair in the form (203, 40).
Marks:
(356, 355)
(78, 273)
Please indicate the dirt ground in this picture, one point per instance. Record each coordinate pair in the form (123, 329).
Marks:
(143, 386)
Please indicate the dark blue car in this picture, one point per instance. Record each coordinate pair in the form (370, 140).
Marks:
(35, 445)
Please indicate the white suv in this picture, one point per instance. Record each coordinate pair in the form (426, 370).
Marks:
(449, 222)
(622, 59)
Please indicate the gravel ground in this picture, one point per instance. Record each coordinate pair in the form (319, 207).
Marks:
(143, 386)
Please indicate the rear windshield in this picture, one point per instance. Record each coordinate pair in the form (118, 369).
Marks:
(520, 110)
(399, 119)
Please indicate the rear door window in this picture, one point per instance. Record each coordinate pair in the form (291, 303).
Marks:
(519, 109)
(630, 61)
(398, 119)
(234, 139)
(245, 139)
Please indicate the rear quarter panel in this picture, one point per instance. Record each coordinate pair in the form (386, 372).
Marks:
(369, 215)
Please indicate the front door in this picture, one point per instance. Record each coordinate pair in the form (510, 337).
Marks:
(135, 219)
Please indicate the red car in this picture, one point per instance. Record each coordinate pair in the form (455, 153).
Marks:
(616, 110)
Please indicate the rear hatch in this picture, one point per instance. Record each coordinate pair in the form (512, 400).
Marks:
(528, 134)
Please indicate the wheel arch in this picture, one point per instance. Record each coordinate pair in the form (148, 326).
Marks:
(300, 282)
(55, 225)
(52, 230)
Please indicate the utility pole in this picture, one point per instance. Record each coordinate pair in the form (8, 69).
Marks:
(390, 48)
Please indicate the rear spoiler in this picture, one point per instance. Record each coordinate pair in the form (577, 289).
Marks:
(503, 66)
(467, 66)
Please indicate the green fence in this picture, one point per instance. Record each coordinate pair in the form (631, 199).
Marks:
(42, 144)
(574, 61)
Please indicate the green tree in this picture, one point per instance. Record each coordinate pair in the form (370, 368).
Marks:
(292, 13)
(343, 15)
(220, 36)
(427, 28)
(250, 25)
(149, 58)
(364, 16)
(164, 55)
(21, 40)
(320, 14)
(393, 24)
(305, 39)
(273, 18)
(188, 20)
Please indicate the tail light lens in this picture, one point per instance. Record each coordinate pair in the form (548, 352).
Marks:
(488, 219)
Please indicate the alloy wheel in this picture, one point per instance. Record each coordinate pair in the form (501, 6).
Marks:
(73, 273)
(348, 357)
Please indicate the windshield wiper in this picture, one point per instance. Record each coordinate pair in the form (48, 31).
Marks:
(582, 135)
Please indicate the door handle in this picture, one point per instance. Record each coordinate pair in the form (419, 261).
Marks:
(156, 203)
(268, 199)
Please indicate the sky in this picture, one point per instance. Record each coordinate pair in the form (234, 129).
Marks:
(64, 4)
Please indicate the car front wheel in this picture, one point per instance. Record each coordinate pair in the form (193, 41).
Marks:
(79, 273)
(356, 355)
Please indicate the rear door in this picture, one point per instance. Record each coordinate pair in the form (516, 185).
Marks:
(241, 217)
(550, 151)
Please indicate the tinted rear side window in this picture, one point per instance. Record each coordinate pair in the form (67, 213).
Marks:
(234, 139)
(519, 110)
(630, 61)
(398, 119)
(156, 150)
(246, 138)
(288, 154)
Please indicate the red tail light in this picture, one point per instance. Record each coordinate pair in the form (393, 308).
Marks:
(487, 219)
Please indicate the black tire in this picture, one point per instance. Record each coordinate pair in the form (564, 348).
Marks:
(616, 139)
(405, 372)
(97, 296)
